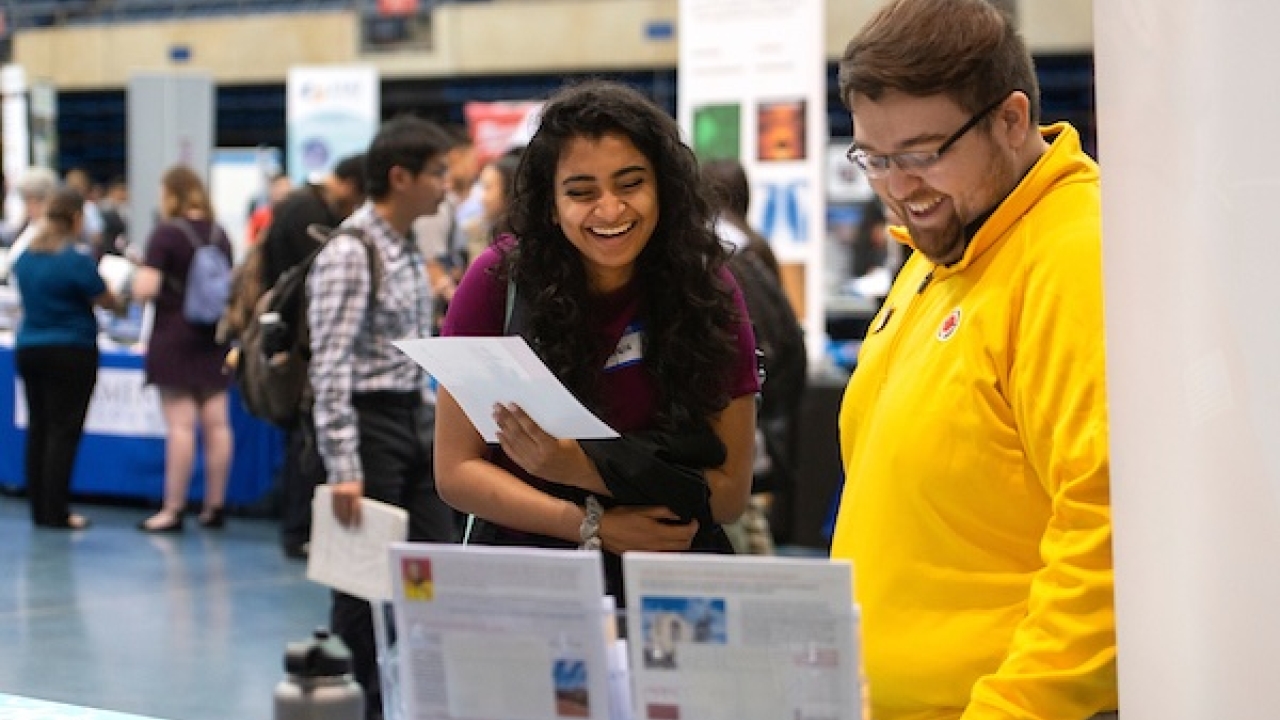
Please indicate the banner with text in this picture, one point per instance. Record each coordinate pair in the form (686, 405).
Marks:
(123, 405)
(331, 112)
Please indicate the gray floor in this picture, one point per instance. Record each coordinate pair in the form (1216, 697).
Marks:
(179, 627)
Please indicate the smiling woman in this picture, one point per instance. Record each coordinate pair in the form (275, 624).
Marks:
(608, 206)
(620, 286)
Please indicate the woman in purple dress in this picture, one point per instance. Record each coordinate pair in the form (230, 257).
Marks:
(184, 359)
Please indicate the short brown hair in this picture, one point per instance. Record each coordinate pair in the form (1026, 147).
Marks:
(969, 50)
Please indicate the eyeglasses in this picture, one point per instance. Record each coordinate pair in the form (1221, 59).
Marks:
(876, 166)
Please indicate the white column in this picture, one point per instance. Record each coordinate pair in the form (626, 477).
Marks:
(1188, 117)
(15, 119)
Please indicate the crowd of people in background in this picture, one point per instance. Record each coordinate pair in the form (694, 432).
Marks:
(183, 359)
(444, 227)
(632, 271)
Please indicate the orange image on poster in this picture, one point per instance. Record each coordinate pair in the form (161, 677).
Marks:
(416, 573)
(780, 131)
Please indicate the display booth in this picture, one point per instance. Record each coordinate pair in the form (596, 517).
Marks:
(122, 451)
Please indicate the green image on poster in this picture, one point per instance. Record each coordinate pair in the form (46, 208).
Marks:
(717, 132)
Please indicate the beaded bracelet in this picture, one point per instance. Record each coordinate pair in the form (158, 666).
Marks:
(589, 531)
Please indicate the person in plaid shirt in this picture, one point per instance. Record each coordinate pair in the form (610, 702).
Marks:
(373, 428)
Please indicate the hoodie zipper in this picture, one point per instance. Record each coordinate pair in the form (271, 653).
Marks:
(892, 350)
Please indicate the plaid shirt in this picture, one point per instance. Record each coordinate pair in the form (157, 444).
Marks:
(351, 350)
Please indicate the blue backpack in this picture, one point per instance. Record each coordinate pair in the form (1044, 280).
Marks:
(208, 286)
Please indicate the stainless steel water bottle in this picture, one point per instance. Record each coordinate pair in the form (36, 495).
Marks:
(318, 684)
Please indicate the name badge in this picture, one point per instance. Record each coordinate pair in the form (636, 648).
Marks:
(630, 349)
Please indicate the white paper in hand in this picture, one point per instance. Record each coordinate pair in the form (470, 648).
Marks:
(480, 372)
(354, 560)
(116, 272)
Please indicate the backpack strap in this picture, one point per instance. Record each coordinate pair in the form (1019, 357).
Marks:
(182, 224)
(515, 319)
(511, 306)
(470, 528)
(322, 235)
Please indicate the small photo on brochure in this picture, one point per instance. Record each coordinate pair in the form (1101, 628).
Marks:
(416, 574)
(573, 698)
(780, 130)
(668, 622)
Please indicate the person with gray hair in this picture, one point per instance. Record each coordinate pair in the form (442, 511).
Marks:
(35, 188)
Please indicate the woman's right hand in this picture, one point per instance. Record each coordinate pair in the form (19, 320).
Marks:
(653, 529)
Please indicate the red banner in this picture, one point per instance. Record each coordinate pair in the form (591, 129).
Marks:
(392, 8)
(497, 127)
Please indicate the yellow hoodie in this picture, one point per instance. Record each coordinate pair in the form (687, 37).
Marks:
(973, 435)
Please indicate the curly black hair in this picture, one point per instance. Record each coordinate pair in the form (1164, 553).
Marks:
(688, 311)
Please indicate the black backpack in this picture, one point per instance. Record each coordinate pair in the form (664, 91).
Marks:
(780, 339)
(275, 345)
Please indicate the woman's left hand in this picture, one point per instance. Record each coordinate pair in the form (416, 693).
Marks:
(539, 453)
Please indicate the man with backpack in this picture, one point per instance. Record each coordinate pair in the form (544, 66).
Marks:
(286, 243)
(373, 428)
(326, 203)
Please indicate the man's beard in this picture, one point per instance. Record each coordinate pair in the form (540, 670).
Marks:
(944, 245)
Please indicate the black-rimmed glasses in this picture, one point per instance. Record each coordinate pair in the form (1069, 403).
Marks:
(876, 165)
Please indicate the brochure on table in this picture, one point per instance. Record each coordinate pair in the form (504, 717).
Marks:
(741, 638)
(497, 632)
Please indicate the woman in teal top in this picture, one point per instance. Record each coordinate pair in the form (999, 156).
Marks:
(57, 354)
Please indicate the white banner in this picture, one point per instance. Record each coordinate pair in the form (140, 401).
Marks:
(15, 119)
(331, 112)
(237, 176)
(753, 86)
(122, 406)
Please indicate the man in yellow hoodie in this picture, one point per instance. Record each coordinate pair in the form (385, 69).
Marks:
(973, 434)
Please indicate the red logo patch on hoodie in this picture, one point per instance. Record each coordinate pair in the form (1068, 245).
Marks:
(949, 326)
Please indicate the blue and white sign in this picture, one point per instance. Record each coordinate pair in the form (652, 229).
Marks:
(331, 112)
(123, 405)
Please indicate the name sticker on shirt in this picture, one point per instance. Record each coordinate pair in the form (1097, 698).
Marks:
(630, 349)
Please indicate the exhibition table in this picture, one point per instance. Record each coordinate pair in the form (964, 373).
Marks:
(122, 451)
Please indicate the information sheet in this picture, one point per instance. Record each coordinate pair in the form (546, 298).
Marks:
(353, 560)
(497, 633)
(741, 638)
(480, 372)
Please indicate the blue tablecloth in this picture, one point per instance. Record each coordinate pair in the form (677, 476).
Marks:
(133, 467)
